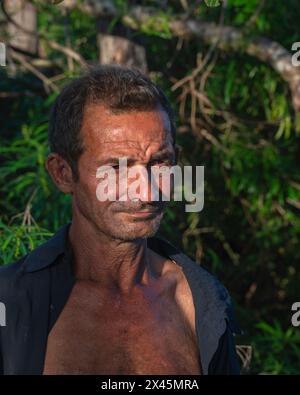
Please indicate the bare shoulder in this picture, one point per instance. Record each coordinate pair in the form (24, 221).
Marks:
(173, 275)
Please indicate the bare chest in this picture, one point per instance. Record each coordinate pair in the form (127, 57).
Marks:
(149, 334)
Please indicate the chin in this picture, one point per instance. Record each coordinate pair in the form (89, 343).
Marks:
(136, 231)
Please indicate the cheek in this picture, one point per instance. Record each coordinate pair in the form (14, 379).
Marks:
(87, 176)
(85, 190)
(165, 184)
(88, 204)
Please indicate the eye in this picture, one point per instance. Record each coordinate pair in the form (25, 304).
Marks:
(162, 162)
(156, 162)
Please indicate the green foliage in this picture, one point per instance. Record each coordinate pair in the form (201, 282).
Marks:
(24, 179)
(212, 3)
(276, 351)
(17, 240)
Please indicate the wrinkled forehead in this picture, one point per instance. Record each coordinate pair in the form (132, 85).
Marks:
(133, 130)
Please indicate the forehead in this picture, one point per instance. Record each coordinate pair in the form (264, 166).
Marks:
(135, 130)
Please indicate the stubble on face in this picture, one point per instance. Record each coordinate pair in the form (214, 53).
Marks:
(135, 135)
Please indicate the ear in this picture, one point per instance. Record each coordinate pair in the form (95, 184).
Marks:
(178, 150)
(60, 172)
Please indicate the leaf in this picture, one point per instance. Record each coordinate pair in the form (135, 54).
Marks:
(212, 3)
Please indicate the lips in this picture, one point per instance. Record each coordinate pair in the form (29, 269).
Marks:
(144, 214)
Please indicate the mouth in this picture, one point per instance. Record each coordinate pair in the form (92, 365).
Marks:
(144, 214)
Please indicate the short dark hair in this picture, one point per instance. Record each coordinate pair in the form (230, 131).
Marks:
(117, 87)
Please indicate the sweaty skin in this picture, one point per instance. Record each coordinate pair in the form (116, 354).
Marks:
(131, 310)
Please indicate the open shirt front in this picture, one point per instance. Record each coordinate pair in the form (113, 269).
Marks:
(35, 289)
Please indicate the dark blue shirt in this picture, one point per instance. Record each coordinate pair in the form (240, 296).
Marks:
(35, 289)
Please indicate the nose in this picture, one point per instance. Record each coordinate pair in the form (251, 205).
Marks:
(140, 186)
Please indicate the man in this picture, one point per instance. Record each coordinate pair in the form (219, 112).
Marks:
(104, 295)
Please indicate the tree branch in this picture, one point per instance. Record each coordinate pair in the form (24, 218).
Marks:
(228, 38)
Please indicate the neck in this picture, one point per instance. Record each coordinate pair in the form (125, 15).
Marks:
(115, 264)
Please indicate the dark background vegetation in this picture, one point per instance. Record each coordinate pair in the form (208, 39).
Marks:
(237, 116)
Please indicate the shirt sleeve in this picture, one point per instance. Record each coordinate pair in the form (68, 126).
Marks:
(225, 360)
(1, 360)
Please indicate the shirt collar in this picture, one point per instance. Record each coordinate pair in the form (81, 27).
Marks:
(46, 253)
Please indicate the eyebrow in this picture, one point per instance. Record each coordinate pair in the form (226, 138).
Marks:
(166, 153)
(114, 160)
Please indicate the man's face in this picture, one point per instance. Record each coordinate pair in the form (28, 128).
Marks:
(145, 139)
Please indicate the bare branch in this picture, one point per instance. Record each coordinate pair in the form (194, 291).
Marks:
(28, 66)
(228, 38)
(68, 52)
